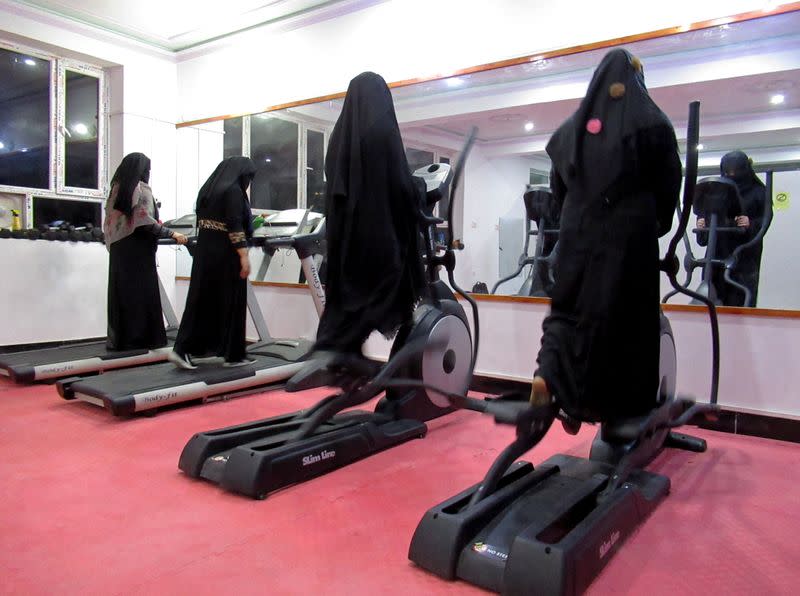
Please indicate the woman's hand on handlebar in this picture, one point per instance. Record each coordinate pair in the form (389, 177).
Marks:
(743, 221)
(701, 223)
(179, 238)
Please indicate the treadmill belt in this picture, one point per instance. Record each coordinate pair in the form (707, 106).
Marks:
(161, 376)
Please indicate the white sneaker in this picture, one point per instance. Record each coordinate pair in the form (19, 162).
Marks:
(244, 362)
(184, 362)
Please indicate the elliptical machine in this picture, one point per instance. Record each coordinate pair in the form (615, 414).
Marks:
(717, 200)
(260, 457)
(551, 529)
(540, 207)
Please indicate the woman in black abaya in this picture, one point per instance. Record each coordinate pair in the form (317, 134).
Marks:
(617, 172)
(374, 265)
(214, 319)
(738, 167)
(131, 232)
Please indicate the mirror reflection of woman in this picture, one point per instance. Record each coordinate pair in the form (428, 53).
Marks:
(737, 166)
(617, 172)
(213, 322)
(132, 230)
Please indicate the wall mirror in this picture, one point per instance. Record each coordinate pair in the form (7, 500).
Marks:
(746, 75)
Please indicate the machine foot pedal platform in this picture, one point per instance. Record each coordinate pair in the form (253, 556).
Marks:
(543, 530)
(258, 458)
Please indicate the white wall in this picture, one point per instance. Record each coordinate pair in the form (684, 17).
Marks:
(143, 106)
(491, 187)
(404, 39)
(52, 291)
(780, 262)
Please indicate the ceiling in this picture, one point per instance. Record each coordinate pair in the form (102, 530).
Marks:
(176, 25)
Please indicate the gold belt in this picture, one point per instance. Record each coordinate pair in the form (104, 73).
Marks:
(212, 224)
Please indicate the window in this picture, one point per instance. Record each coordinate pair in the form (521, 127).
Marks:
(75, 211)
(25, 120)
(81, 128)
(539, 177)
(232, 143)
(418, 158)
(290, 155)
(274, 147)
(315, 170)
(52, 130)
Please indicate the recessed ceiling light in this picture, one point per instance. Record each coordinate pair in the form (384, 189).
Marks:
(2, 145)
(529, 126)
(268, 160)
(30, 61)
(80, 128)
(700, 146)
(777, 99)
(24, 149)
(454, 82)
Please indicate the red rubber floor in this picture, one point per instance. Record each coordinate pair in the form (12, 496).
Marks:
(96, 505)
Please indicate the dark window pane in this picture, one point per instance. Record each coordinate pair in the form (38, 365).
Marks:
(538, 177)
(24, 120)
(418, 158)
(76, 212)
(273, 146)
(315, 170)
(233, 137)
(82, 108)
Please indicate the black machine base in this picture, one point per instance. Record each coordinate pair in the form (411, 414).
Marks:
(257, 458)
(542, 532)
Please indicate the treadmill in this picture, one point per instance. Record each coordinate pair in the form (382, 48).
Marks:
(86, 358)
(144, 388)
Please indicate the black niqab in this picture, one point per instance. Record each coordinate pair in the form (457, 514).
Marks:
(134, 168)
(374, 265)
(620, 118)
(230, 171)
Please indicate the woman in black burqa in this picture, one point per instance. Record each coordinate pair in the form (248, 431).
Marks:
(213, 322)
(617, 172)
(374, 265)
(131, 231)
(737, 166)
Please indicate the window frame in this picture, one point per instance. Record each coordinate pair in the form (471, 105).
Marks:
(57, 189)
(303, 125)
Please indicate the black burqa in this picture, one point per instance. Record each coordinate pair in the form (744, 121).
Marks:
(374, 265)
(617, 173)
(738, 167)
(135, 319)
(213, 322)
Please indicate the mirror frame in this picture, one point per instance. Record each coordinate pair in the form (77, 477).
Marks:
(566, 51)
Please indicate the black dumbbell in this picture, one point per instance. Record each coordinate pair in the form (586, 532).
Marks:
(62, 235)
(33, 234)
(49, 235)
(5, 233)
(18, 234)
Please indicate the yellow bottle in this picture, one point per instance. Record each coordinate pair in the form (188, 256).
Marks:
(16, 222)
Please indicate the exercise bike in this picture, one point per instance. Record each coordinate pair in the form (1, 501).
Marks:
(551, 529)
(257, 458)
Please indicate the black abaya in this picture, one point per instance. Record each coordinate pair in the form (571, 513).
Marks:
(132, 230)
(214, 319)
(736, 165)
(616, 169)
(374, 265)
